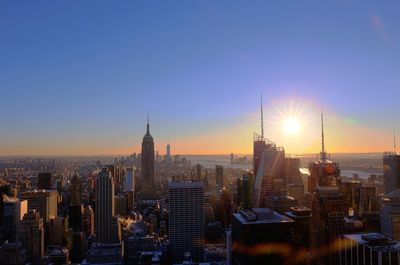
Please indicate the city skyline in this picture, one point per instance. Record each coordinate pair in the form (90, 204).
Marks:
(90, 74)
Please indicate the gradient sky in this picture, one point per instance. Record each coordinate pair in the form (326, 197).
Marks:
(78, 77)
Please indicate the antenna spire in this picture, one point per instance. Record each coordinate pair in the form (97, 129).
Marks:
(148, 123)
(323, 154)
(262, 119)
(394, 140)
(322, 133)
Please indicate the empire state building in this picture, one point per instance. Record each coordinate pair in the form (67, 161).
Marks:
(147, 165)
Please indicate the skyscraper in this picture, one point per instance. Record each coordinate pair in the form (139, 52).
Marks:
(104, 207)
(32, 235)
(147, 165)
(168, 152)
(186, 219)
(44, 181)
(76, 190)
(219, 176)
(328, 208)
(14, 210)
(391, 171)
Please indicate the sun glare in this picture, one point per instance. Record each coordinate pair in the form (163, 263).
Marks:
(291, 125)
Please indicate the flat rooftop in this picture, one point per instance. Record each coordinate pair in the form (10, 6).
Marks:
(376, 241)
(263, 216)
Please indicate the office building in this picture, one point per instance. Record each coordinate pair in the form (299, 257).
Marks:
(219, 176)
(60, 233)
(147, 165)
(261, 236)
(245, 191)
(368, 249)
(75, 190)
(13, 211)
(32, 235)
(129, 184)
(280, 203)
(12, 254)
(44, 201)
(198, 175)
(45, 181)
(391, 171)
(292, 167)
(186, 220)
(110, 254)
(104, 207)
(301, 216)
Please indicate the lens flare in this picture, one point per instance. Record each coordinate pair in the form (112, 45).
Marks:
(291, 125)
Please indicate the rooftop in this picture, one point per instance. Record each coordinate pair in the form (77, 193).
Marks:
(261, 216)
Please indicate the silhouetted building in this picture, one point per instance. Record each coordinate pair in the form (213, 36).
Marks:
(147, 166)
(45, 181)
(261, 236)
(104, 207)
(245, 191)
(219, 176)
(75, 191)
(12, 254)
(110, 254)
(14, 210)
(280, 203)
(391, 171)
(186, 220)
(292, 167)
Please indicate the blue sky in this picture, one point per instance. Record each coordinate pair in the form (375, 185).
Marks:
(80, 76)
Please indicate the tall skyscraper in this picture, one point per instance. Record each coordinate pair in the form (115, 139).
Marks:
(219, 176)
(328, 208)
(32, 235)
(391, 171)
(45, 181)
(168, 152)
(129, 184)
(104, 207)
(186, 220)
(147, 165)
(75, 190)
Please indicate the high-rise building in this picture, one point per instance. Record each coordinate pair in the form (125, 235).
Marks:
(328, 208)
(292, 167)
(327, 224)
(60, 233)
(219, 176)
(391, 171)
(271, 174)
(261, 236)
(75, 190)
(14, 210)
(147, 165)
(104, 207)
(129, 184)
(368, 249)
(245, 191)
(390, 215)
(32, 235)
(198, 175)
(12, 254)
(301, 216)
(186, 220)
(45, 181)
(120, 205)
(44, 201)
(168, 152)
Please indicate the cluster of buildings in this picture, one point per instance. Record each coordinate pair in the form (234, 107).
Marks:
(153, 210)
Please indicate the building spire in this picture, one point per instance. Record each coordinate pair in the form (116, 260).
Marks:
(148, 123)
(262, 120)
(394, 140)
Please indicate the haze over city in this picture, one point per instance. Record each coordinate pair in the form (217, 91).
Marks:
(78, 78)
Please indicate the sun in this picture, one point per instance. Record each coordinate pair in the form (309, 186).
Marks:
(291, 125)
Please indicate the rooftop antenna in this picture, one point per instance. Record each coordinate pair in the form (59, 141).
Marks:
(262, 120)
(148, 122)
(394, 140)
(323, 152)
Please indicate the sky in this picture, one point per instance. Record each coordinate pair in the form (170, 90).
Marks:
(79, 77)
